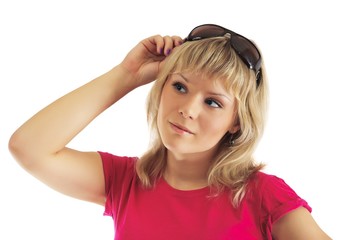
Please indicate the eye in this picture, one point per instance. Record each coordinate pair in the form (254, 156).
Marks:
(179, 87)
(213, 103)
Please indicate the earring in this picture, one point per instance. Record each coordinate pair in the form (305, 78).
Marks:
(232, 141)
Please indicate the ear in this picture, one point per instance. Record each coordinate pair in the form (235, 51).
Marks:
(234, 129)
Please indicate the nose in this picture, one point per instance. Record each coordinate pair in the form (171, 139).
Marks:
(190, 108)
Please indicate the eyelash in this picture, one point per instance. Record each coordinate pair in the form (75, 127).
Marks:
(179, 86)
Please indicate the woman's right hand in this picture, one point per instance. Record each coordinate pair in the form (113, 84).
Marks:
(145, 60)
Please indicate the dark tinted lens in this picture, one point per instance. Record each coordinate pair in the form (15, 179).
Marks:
(247, 51)
(206, 31)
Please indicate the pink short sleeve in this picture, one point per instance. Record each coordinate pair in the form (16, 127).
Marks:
(118, 173)
(278, 198)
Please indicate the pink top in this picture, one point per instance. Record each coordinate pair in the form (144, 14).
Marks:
(167, 213)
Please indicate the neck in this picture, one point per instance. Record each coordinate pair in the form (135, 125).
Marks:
(187, 172)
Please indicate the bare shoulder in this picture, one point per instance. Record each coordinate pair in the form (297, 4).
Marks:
(298, 224)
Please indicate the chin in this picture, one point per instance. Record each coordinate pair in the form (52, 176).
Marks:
(175, 148)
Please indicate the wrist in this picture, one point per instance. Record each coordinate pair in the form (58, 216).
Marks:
(124, 79)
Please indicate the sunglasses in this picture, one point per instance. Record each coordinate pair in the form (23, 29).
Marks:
(244, 48)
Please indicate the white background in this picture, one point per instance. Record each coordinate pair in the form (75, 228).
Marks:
(311, 50)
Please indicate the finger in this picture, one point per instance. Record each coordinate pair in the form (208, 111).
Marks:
(177, 40)
(171, 43)
(163, 45)
(160, 44)
(168, 45)
(154, 44)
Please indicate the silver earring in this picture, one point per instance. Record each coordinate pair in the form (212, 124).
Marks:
(232, 141)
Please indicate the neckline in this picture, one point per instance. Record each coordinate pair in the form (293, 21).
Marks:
(185, 193)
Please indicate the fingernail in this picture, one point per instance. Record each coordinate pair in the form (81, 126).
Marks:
(168, 51)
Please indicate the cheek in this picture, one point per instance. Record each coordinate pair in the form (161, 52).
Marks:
(163, 110)
(166, 106)
(215, 126)
(220, 123)
(160, 114)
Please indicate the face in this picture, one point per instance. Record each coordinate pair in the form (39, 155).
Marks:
(194, 114)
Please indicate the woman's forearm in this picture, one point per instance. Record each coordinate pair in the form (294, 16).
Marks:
(52, 128)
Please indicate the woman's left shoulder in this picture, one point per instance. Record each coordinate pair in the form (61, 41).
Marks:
(260, 178)
(274, 192)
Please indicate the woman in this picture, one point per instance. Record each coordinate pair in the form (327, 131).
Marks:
(198, 179)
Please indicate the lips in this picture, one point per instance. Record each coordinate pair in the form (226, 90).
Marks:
(180, 128)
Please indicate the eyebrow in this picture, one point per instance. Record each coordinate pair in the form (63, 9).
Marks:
(211, 93)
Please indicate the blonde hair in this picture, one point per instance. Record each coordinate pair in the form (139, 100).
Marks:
(234, 163)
